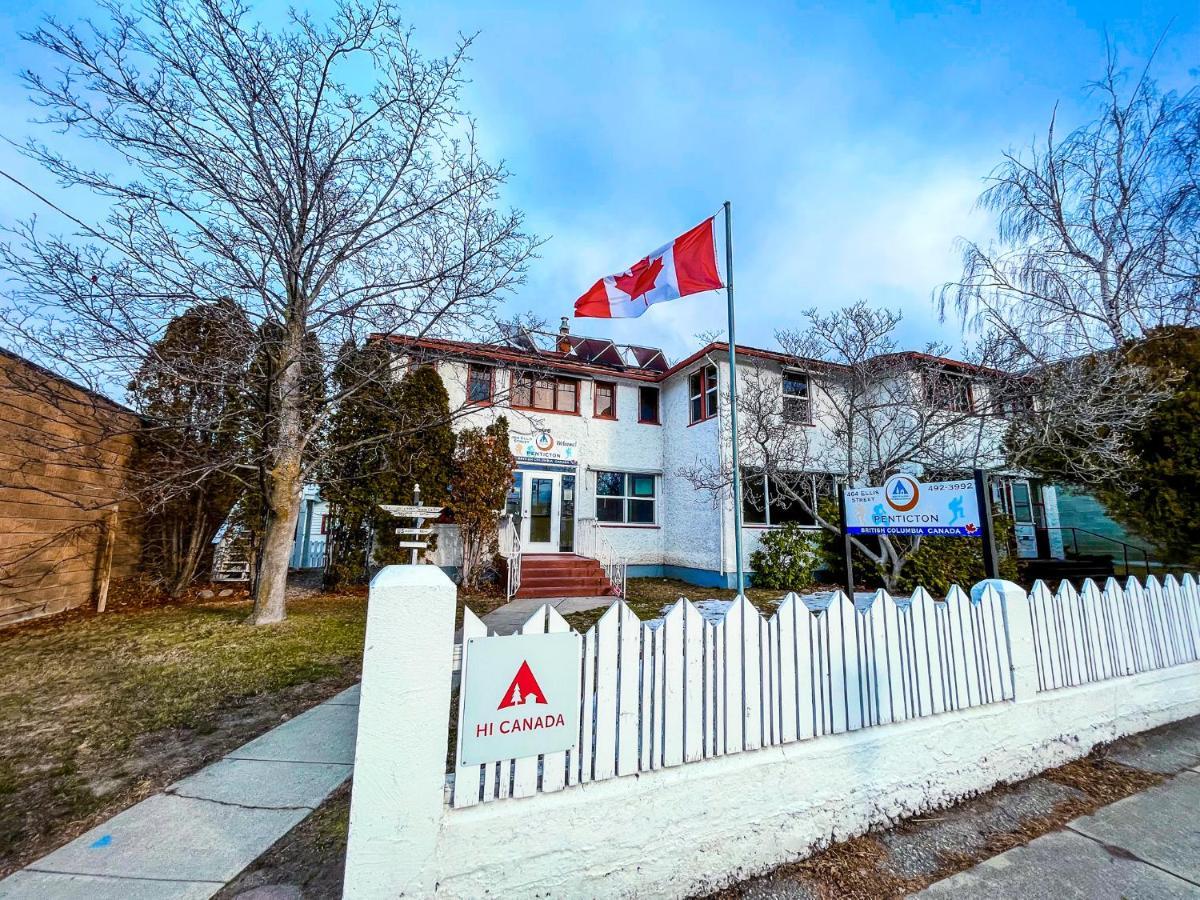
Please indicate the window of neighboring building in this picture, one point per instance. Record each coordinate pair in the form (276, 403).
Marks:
(626, 498)
(324, 524)
(949, 391)
(545, 393)
(605, 405)
(797, 405)
(480, 383)
(648, 405)
(702, 394)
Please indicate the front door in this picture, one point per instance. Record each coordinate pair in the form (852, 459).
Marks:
(540, 512)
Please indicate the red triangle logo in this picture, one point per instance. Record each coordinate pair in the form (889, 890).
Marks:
(524, 689)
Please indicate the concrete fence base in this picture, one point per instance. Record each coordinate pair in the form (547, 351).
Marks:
(697, 826)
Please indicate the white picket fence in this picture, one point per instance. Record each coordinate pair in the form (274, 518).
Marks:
(752, 742)
(1094, 634)
(690, 689)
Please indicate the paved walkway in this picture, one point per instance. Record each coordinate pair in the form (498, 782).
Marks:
(512, 615)
(1145, 846)
(188, 841)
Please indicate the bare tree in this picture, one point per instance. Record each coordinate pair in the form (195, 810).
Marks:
(247, 165)
(871, 411)
(1097, 246)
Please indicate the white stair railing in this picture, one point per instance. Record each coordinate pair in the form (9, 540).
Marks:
(594, 545)
(510, 549)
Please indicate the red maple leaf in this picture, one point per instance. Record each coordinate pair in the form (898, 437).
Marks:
(641, 278)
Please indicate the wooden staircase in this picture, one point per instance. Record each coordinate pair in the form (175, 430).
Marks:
(562, 575)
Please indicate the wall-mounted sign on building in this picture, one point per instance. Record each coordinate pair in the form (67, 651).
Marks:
(520, 696)
(904, 505)
(542, 445)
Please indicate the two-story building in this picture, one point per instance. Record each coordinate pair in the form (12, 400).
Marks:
(601, 434)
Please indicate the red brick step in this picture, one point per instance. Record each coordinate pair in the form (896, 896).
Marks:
(562, 575)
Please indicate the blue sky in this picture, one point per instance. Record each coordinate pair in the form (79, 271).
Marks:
(852, 138)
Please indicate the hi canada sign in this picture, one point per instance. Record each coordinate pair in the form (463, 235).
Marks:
(520, 696)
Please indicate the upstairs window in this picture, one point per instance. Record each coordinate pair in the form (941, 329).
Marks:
(605, 405)
(949, 391)
(1011, 400)
(702, 394)
(797, 405)
(480, 383)
(545, 393)
(648, 405)
(625, 498)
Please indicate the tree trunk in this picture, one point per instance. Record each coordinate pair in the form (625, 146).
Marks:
(188, 561)
(283, 501)
(284, 486)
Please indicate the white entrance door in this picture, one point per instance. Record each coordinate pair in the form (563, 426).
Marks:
(541, 512)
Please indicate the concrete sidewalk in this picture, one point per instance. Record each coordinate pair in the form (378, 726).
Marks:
(1145, 846)
(199, 833)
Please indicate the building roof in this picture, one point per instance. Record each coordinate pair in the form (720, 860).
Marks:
(51, 375)
(579, 355)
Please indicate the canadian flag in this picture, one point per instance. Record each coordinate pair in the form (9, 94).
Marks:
(687, 265)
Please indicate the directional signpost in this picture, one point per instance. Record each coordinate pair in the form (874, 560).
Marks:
(419, 514)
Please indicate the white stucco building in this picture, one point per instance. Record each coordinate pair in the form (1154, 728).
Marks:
(600, 432)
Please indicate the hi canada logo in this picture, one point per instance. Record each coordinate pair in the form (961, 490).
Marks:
(524, 689)
(523, 694)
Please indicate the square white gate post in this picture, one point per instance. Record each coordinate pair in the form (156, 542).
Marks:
(403, 726)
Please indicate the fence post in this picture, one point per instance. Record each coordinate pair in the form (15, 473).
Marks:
(403, 726)
(1022, 649)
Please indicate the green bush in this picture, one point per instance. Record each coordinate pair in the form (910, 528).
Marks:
(944, 561)
(786, 559)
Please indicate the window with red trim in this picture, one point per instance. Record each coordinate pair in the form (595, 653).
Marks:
(545, 393)
(702, 394)
(648, 405)
(324, 524)
(480, 383)
(605, 400)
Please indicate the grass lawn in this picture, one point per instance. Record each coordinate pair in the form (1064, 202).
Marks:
(98, 711)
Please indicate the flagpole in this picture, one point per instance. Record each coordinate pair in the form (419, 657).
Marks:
(733, 412)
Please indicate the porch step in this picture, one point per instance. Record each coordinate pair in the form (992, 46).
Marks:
(562, 575)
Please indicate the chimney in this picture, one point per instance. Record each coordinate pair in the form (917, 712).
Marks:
(564, 337)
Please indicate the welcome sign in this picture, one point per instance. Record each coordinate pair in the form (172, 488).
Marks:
(542, 445)
(904, 505)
